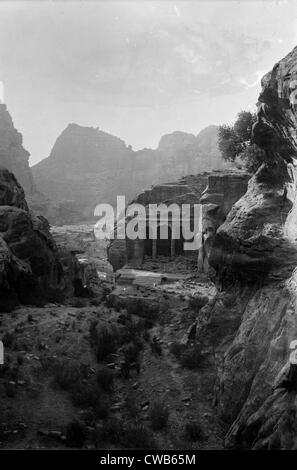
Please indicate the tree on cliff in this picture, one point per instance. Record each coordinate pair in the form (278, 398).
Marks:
(235, 142)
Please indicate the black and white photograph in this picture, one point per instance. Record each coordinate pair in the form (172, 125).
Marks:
(148, 229)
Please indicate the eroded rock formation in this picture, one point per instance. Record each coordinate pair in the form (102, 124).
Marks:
(222, 192)
(13, 156)
(253, 321)
(30, 269)
(88, 166)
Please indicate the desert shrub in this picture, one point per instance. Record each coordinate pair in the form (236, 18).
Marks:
(8, 301)
(45, 362)
(95, 302)
(7, 340)
(158, 415)
(143, 309)
(67, 373)
(106, 344)
(93, 333)
(136, 308)
(104, 341)
(131, 407)
(177, 349)
(75, 434)
(10, 390)
(105, 378)
(111, 431)
(20, 359)
(146, 336)
(131, 352)
(192, 357)
(193, 432)
(137, 436)
(131, 330)
(148, 324)
(156, 347)
(101, 409)
(85, 395)
(197, 302)
(128, 436)
(79, 303)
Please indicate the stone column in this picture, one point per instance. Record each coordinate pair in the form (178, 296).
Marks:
(154, 249)
(172, 247)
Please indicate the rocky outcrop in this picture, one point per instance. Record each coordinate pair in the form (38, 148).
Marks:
(222, 192)
(88, 166)
(30, 270)
(252, 322)
(13, 156)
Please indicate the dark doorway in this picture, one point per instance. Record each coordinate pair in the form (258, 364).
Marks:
(163, 245)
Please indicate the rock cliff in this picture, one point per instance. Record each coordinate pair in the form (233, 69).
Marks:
(252, 323)
(88, 166)
(30, 269)
(13, 156)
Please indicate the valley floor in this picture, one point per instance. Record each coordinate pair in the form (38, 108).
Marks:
(48, 349)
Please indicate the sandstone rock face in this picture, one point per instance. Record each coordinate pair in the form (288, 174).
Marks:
(88, 166)
(13, 156)
(11, 192)
(222, 192)
(253, 321)
(30, 270)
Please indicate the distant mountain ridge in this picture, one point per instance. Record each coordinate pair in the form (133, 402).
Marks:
(88, 166)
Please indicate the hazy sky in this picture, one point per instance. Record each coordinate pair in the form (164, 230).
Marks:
(136, 69)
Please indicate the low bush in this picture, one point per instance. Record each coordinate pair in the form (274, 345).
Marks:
(79, 303)
(7, 340)
(104, 342)
(137, 436)
(101, 409)
(67, 373)
(159, 415)
(156, 347)
(143, 309)
(85, 395)
(75, 434)
(197, 302)
(193, 432)
(112, 431)
(131, 352)
(105, 378)
(177, 349)
(192, 357)
(95, 302)
(127, 436)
